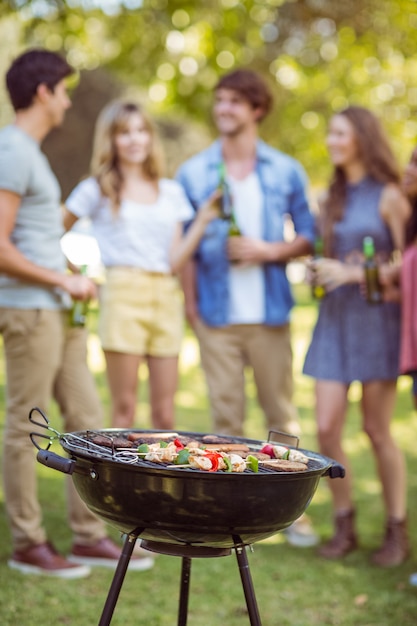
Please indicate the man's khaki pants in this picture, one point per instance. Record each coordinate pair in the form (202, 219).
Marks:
(267, 350)
(44, 359)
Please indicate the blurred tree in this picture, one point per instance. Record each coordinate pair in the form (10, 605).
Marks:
(317, 55)
(69, 147)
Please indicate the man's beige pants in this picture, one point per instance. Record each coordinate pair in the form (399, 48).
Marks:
(226, 351)
(44, 359)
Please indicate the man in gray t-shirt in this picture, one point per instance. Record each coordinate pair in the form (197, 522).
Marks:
(45, 358)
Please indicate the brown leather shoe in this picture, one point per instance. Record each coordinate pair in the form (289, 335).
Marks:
(105, 553)
(396, 547)
(43, 559)
(344, 540)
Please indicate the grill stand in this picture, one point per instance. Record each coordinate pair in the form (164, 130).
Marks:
(184, 591)
(247, 584)
(187, 553)
(118, 579)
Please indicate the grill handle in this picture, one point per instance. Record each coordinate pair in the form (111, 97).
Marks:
(335, 470)
(60, 463)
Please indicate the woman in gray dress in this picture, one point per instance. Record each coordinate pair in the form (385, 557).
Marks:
(355, 340)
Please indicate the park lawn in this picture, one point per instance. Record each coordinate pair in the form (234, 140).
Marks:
(293, 586)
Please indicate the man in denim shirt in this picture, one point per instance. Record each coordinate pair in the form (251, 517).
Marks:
(237, 294)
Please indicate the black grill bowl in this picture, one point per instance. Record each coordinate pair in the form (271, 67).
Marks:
(191, 507)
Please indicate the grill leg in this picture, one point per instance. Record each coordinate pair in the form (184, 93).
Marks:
(117, 581)
(184, 591)
(247, 584)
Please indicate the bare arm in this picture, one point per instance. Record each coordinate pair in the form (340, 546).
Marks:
(328, 272)
(69, 218)
(248, 250)
(189, 285)
(332, 273)
(14, 263)
(395, 211)
(183, 246)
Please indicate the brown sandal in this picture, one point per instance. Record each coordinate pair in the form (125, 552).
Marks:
(344, 539)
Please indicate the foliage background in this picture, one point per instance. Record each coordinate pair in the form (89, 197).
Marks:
(317, 56)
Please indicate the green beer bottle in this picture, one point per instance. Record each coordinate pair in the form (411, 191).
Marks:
(317, 291)
(78, 313)
(225, 200)
(373, 286)
(234, 230)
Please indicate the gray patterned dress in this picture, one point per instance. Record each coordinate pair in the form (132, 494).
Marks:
(354, 340)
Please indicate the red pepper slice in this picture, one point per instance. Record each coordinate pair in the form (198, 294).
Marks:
(178, 444)
(214, 458)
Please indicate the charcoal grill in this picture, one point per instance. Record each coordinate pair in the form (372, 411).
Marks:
(182, 512)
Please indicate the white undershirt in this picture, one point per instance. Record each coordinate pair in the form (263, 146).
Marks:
(246, 284)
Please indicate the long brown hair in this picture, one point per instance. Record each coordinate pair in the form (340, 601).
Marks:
(377, 158)
(104, 163)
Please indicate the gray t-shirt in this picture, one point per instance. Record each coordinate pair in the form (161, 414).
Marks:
(25, 170)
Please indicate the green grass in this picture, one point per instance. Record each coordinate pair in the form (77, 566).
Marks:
(293, 586)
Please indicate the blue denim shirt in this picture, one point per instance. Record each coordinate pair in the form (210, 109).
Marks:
(283, 183)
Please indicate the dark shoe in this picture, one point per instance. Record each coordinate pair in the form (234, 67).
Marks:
(344, 540)
(396, 548)
(105, 553)
(43, 559)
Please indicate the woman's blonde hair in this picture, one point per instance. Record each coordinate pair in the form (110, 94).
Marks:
(104, 163)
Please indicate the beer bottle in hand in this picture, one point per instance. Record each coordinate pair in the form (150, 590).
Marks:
(373, 286)
(234, 230)
(317, 291)
(78, 313)
(225, 201)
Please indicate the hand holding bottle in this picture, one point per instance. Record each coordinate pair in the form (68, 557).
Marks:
(184, 245)
(210, 209)
(81, 289)
(331, 273)
(318, 290)
(389, 279)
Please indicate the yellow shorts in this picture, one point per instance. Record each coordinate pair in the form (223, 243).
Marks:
(141, 312)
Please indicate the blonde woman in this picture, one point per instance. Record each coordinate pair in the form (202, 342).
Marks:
(137, 218)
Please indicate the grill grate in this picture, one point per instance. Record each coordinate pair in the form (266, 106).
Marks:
(116, 447)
